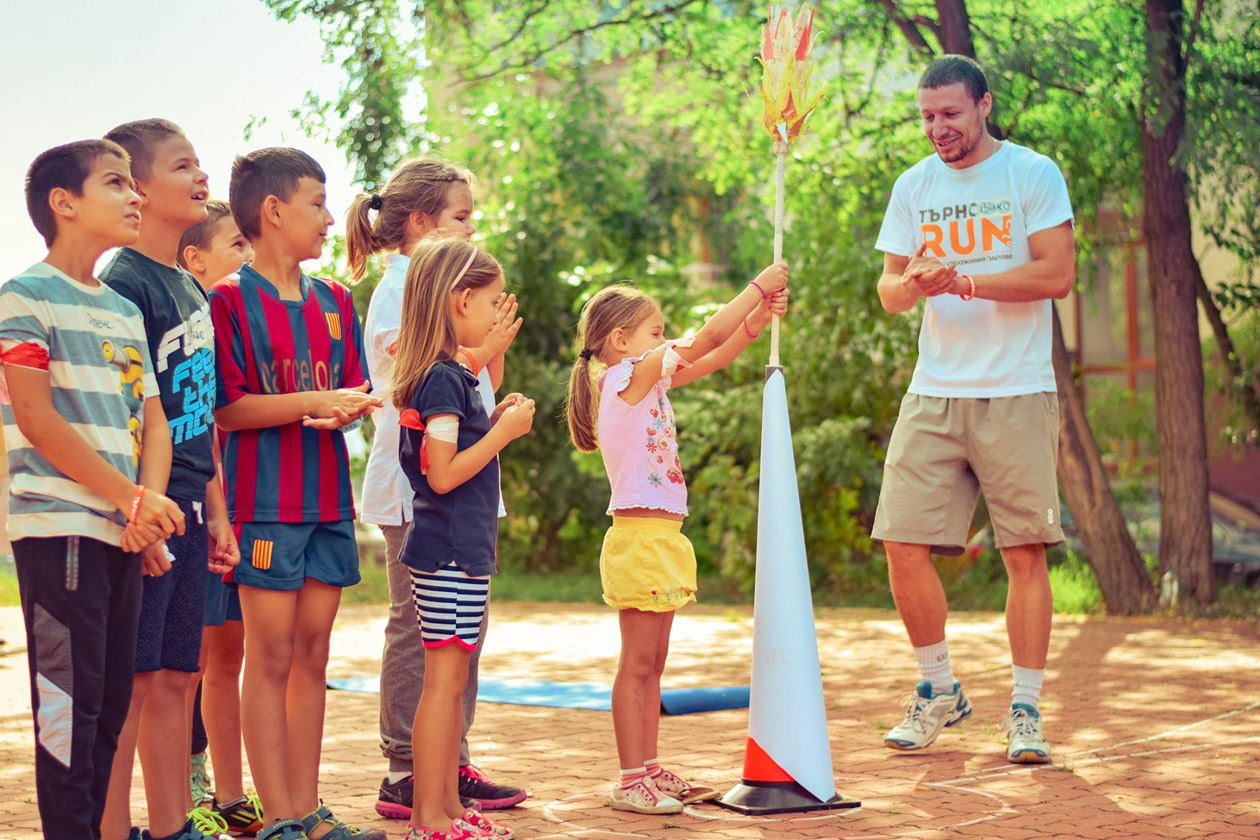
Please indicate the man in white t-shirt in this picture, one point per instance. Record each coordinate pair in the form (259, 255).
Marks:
(982, 232)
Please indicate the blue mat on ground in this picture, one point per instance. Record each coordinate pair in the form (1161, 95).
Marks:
(566, 695)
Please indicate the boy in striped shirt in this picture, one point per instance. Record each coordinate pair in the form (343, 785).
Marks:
(83, 419)
(290, 378)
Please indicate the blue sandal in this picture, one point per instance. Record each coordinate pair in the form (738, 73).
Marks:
(340, 830)
(284, 830)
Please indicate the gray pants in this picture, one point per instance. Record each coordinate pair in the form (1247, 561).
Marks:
(402, 663)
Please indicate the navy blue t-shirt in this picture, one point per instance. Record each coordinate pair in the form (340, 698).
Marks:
(461, 526)
(181, 347)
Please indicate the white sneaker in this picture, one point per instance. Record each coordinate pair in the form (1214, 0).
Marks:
(643, 797)
(1023, 728)
(926, 716)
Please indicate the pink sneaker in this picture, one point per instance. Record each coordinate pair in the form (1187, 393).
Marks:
(643, 797)
(459, 830)
(488, 827)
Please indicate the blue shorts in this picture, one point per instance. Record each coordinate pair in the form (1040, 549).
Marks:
(223, 602)
(282, 555)
(172, 606)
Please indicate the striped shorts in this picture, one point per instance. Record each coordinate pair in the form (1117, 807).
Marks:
(449, 606)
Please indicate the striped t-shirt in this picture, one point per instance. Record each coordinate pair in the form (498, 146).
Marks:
(91, 341)
(266, 345)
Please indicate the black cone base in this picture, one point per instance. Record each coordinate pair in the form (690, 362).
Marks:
(779, 798)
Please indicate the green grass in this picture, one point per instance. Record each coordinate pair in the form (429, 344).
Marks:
(8, 583)
(1074, 586)
(517, 585)
(981, 586)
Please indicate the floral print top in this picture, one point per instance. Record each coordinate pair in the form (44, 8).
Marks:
(639, 443)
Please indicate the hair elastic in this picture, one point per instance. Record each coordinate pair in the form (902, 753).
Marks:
(586, 354)
(376, 202)
(464, 270)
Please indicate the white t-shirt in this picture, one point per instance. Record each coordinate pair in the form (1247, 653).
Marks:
(979, 219)
(386, 491)
(486, 388)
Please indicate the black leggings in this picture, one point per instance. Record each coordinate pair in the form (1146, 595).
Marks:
(199, 740)
(81, 604)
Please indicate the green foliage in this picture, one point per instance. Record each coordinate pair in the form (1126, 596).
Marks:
(622, 141)
(1074, 586)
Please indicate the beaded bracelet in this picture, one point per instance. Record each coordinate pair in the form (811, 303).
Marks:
(972, 293)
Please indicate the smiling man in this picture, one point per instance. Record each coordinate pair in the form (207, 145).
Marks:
(981, 230)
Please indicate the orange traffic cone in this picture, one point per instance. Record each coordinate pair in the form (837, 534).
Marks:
(787, 762)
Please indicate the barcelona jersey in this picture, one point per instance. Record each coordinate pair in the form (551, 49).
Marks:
(265, 345)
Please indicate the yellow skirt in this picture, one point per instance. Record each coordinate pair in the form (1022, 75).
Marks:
(647, 564)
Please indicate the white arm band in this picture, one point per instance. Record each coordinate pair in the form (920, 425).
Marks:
(444, 427)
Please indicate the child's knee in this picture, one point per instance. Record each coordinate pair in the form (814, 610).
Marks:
(637, 665)
(271, 658)
(311, 651)
(226, 661)
(171, 683)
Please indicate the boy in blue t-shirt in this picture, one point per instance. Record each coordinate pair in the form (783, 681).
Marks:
(176, 314)
(290, 378)
(82, 419)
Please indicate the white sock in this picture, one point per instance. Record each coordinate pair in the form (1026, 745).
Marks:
(630, 774)
(1027, 685)
(396, 776)
(935, 667)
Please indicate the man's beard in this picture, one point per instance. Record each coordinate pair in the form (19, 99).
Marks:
(963, 151)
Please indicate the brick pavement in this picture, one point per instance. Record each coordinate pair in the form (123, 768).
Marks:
(1155, 725)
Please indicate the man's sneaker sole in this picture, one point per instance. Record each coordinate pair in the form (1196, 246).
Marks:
(1028, 757)
(902, 747)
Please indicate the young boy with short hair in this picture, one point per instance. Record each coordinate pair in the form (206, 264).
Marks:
(173, 194)
(290, 379)
(83, 419)
(212, 250)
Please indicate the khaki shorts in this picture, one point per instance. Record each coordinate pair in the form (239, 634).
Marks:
(945, 451)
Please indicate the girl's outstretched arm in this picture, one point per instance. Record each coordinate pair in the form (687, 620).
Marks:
(776, 304)
(715, 332)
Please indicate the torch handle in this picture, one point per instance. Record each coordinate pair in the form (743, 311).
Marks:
(780, 178)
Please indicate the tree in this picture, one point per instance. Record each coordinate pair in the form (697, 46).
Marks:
(1185, 534)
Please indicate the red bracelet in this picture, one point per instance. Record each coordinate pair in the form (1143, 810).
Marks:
(972, 282)
(758, 285)
(747, 331)
(135, 504)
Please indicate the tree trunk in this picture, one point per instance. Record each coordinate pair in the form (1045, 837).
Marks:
(1244, 386)
(955, 27)
(1122, 578)
(1185, 532)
